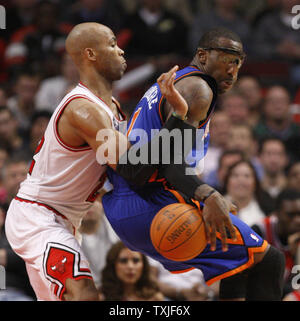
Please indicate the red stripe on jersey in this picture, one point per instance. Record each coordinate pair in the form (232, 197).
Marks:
(41, 204)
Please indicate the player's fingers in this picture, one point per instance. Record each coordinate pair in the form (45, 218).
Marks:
(213, 238)
(166, 75)
(207, 231)
(233, 209)
(161, 79)
(172, 70)
(223, 234)
(231, 229)
(170, 80)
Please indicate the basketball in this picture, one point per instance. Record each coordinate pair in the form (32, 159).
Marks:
(178, 232)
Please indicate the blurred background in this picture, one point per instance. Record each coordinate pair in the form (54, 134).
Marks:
(254, 155)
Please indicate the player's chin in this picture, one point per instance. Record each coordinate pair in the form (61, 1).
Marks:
(119, 75)
(223, 88)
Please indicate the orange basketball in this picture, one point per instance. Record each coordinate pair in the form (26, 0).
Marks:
(178, 232)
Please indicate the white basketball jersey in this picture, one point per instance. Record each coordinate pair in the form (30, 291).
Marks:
(63, 177)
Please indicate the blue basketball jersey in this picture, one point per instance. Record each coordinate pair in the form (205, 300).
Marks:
(130, 210)
(148, 118)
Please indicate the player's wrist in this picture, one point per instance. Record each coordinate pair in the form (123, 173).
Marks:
(179, 116)
(204, 192)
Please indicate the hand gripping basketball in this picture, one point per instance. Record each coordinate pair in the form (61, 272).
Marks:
(216, 217)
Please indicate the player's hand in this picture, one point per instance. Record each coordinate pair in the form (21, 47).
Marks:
(216, 218)
(167, 88)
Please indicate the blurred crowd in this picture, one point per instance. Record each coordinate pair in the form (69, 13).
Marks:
(254, 154)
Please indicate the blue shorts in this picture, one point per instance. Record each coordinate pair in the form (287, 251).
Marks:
(131, 214)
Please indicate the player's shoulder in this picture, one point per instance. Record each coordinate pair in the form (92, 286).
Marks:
(195, 90)
(194, 84)
(84, 111)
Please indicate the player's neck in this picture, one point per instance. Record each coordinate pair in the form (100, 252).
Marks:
(98, 85)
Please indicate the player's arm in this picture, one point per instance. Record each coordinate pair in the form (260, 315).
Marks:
(84, 122)
(198, 96)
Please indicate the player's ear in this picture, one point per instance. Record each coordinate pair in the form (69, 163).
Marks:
(202, 55)
(90, 54)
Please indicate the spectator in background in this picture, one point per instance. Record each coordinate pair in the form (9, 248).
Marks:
(4, 154)
(107, 12)
(216, 177)
(17, 286)
(53, 89)
(242, 188)
(236, 106)
(241, 138)
(292, 296)
(97, 239)
(40, 45)
(153, 31)
(22, 103)
(19, 15)
(267, 7)
(252, 91)
(3, 97)
(126, 277)
(282, 230)
(294, 176)
(224, 14)
(274, 35)
(274, 160)
(219, 130)
(188, 286)
(39, 122)
(13, 173)
(275, 38)
(9, 131)
(277, 121)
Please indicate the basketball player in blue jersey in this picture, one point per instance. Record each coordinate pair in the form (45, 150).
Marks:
(248, 267)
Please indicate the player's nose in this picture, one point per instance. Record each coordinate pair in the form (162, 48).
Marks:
(121, 51)
(232, 71)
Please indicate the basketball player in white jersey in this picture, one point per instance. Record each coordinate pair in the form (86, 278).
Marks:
(64, 176)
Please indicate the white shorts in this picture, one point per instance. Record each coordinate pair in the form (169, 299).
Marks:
(45, 240)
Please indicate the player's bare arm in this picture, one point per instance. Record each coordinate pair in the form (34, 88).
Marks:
(198, 96)
(80, 124)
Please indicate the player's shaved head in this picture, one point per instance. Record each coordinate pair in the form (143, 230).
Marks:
(94, 49)
(85, 35)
